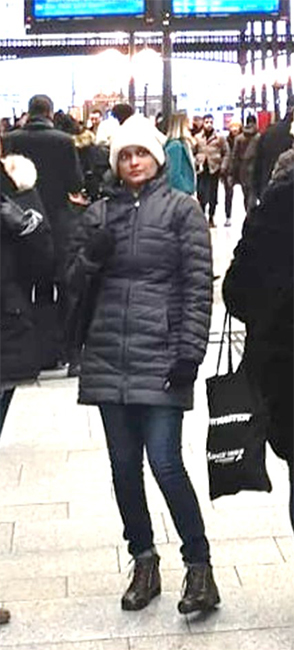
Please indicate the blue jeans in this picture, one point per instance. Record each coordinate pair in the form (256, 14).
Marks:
(129, 430)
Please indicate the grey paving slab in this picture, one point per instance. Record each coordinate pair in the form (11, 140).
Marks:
(6, 531)
(74, 534)
(98, 644)
(246, 608)
(59, 563)
(251, 522)
(34, 512)
(79, 507)
(278, 578)
(97, 584)
(57, 401)
(68, 620)
(276, 639)
(224, 552)
(33, 589)
(47, 472)
(64, 486)
(286, 546)
(9, 474)
(172, 580)
(262, 550)
(19, 453)
(90, 460)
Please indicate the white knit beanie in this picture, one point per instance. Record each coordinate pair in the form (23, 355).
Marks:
(136, 131)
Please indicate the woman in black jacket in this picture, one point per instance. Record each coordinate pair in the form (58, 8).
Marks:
(258, 290)
(147, 336)
(26, 256)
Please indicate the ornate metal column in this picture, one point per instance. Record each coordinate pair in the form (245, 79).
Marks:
(132, 92)
(167, 74)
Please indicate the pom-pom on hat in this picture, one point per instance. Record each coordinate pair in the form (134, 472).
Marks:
(136, 131)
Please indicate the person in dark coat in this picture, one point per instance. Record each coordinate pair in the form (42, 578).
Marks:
(212, 155)
(26, 255)
(235, 128)
(277, 138)
(146, 339)
(58, 169)
(94, 159)
(243, 160)
(258, 290)
(59, 174)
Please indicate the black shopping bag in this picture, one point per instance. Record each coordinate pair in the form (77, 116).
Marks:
(237, 431)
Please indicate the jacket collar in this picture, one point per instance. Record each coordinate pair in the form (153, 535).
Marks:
(39, 122)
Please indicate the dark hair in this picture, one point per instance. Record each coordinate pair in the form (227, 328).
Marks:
(65, 122)
(251, 119)
(208, 115)
(122, 112)
(40, 105)
(96, 110)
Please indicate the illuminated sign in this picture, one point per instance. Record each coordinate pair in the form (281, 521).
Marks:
(223, 7)
(44, 9)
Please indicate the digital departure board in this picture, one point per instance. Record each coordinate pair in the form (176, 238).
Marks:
(81, 8)
(223, 7)
(66, 16)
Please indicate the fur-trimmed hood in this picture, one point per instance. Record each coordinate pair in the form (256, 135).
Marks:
(21, 170)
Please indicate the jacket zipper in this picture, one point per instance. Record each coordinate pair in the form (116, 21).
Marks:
(133, 249)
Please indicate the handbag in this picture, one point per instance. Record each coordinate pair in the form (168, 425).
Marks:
(237, 431)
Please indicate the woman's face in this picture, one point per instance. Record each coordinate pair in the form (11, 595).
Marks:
(136, 166)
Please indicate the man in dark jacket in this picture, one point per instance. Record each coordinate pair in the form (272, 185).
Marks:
(276, 139)
(243, 160)
(54, 154)
(258, 290)
(212, 156)
(59, 174)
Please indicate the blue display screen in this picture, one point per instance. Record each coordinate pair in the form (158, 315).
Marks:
(219, 7)
(86, 8)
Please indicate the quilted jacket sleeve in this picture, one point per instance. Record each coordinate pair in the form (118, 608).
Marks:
(78, 265)
(196, 280)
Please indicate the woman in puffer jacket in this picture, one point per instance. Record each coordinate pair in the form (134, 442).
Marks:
(146, 339)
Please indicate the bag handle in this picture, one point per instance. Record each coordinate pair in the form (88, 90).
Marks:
(230, 355)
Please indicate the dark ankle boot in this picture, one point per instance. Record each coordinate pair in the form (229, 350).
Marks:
(145, 584)
(201, 592)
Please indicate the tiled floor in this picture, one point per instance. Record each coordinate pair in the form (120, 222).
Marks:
(63, 564)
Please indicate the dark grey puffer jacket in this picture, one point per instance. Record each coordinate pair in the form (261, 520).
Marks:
(154, 299)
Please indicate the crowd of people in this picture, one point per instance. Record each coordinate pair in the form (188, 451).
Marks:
(106, 226)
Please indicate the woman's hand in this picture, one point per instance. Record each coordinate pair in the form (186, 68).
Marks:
(183, 373)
